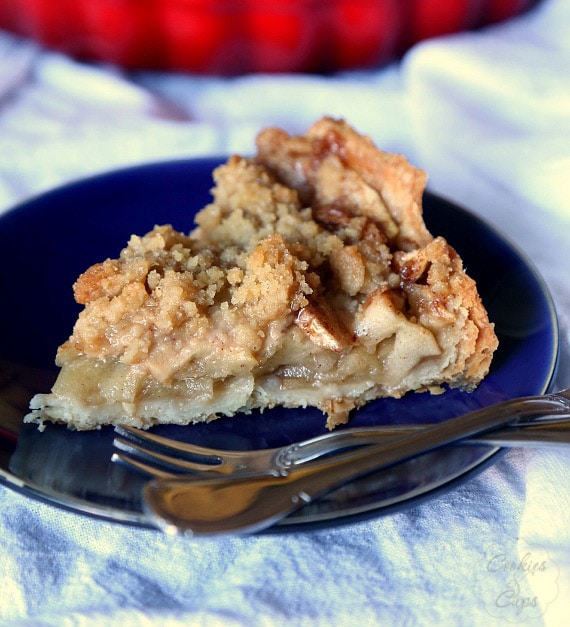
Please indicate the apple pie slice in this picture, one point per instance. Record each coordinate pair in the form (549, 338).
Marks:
(310, 280)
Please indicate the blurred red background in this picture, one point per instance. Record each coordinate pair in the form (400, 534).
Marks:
(235, 37)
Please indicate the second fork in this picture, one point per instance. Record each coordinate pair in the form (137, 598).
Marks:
(162, 457)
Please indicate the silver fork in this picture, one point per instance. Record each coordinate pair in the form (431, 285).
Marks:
(162, 457)
(250, 503)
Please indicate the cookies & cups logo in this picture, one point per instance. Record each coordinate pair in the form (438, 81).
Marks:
(521, 581)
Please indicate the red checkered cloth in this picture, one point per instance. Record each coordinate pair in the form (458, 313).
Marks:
(241, 36)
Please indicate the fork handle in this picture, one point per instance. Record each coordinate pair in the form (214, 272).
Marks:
(248, 504)
(520, 409)
(546, 433)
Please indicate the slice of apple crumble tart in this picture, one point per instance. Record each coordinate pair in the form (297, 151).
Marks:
(310, 280)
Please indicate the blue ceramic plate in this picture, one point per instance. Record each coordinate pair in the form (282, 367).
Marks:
(47, 242)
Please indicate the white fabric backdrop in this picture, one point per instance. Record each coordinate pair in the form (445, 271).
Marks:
(487, 114)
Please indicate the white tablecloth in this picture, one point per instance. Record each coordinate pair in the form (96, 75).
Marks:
(487, 114)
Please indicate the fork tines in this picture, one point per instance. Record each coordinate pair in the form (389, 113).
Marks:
(159, 457)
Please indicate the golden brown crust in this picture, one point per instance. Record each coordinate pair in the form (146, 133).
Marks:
(334, 165)
(310, 279)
